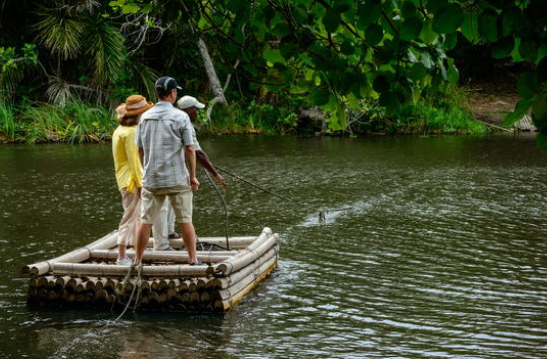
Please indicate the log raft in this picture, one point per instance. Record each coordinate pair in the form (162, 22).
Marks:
(89, 277)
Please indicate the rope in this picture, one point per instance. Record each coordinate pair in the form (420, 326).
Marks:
(223, 204)
(135, 287)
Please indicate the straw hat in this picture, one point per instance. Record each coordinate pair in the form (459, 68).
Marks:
(133, 106)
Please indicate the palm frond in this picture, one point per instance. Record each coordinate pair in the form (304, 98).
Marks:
(81, 6)
(144, 77)
(59, 33)
(106, 47)
(59, 91)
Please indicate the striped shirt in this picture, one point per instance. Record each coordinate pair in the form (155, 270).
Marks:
(162, 133)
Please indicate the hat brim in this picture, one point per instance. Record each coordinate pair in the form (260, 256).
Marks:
(199, 105)
(136, 112)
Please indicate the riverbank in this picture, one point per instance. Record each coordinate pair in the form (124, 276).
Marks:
(455, 111)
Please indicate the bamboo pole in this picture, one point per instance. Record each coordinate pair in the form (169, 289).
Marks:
(184, 286)
(234, 288)
(153, 297)
(166, 256)
(52, 295)
(80, 288)
(164, 284)
(172, 295)
(68, 297)
(33, 282)
(233, 295)
(236, 242)
(72, 284)
(246, 257)
(75, 256)
(194, 297)
(174, 284)
(225, 282)
(89, 297)
(145, 285)
(101, 296)
(201, 283)
(204, 297)
(61, 281)
(42, 282)
(90, 270)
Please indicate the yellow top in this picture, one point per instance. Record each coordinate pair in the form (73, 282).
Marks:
(126, 158)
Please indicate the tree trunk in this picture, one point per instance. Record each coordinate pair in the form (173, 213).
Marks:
(212, 75)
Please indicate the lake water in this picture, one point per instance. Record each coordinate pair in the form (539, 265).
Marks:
(440, 251)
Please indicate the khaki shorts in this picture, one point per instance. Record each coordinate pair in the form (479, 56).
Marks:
(180, 197)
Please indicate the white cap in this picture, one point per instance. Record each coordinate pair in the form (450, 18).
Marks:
(189, 101)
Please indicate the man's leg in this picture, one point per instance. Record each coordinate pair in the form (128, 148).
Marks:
(189, 237)
(150, 209)
(182, 206)
(160, 227)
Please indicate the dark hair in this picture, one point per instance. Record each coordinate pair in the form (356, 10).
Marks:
(129, 121)
(161, 92)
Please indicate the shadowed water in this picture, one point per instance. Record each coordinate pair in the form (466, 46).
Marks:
(431, 247)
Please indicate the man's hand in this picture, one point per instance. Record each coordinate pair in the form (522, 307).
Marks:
(194, 183)
(220, 181)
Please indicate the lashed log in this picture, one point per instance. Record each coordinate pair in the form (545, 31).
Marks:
(225, 282)
(89, 270)
(61, 281)
(72, 284)
(68, 297)
(184, 286)
(52, 295)
(166, 256)
(204, 297)
(246, 257)
(174, 284)
(227, 298)
(172, 295)
(75, 256)
(102, 296)
(164, 284)
(194, 297)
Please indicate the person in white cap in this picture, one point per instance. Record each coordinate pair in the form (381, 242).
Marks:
(190, 106)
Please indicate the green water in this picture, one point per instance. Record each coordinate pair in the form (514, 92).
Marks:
(441, 253)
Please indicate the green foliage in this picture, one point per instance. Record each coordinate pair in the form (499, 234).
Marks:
(41, 122)
(7, 123)
(331, 52)
(431, 120)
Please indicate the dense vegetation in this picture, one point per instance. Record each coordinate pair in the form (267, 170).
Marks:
(368, 65)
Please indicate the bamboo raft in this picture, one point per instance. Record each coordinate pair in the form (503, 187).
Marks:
(88, 276)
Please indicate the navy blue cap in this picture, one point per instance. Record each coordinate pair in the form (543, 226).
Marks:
(167, 83)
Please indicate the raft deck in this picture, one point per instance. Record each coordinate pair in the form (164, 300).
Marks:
(88, 276)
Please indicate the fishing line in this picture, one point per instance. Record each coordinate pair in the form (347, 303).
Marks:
(321, 212)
